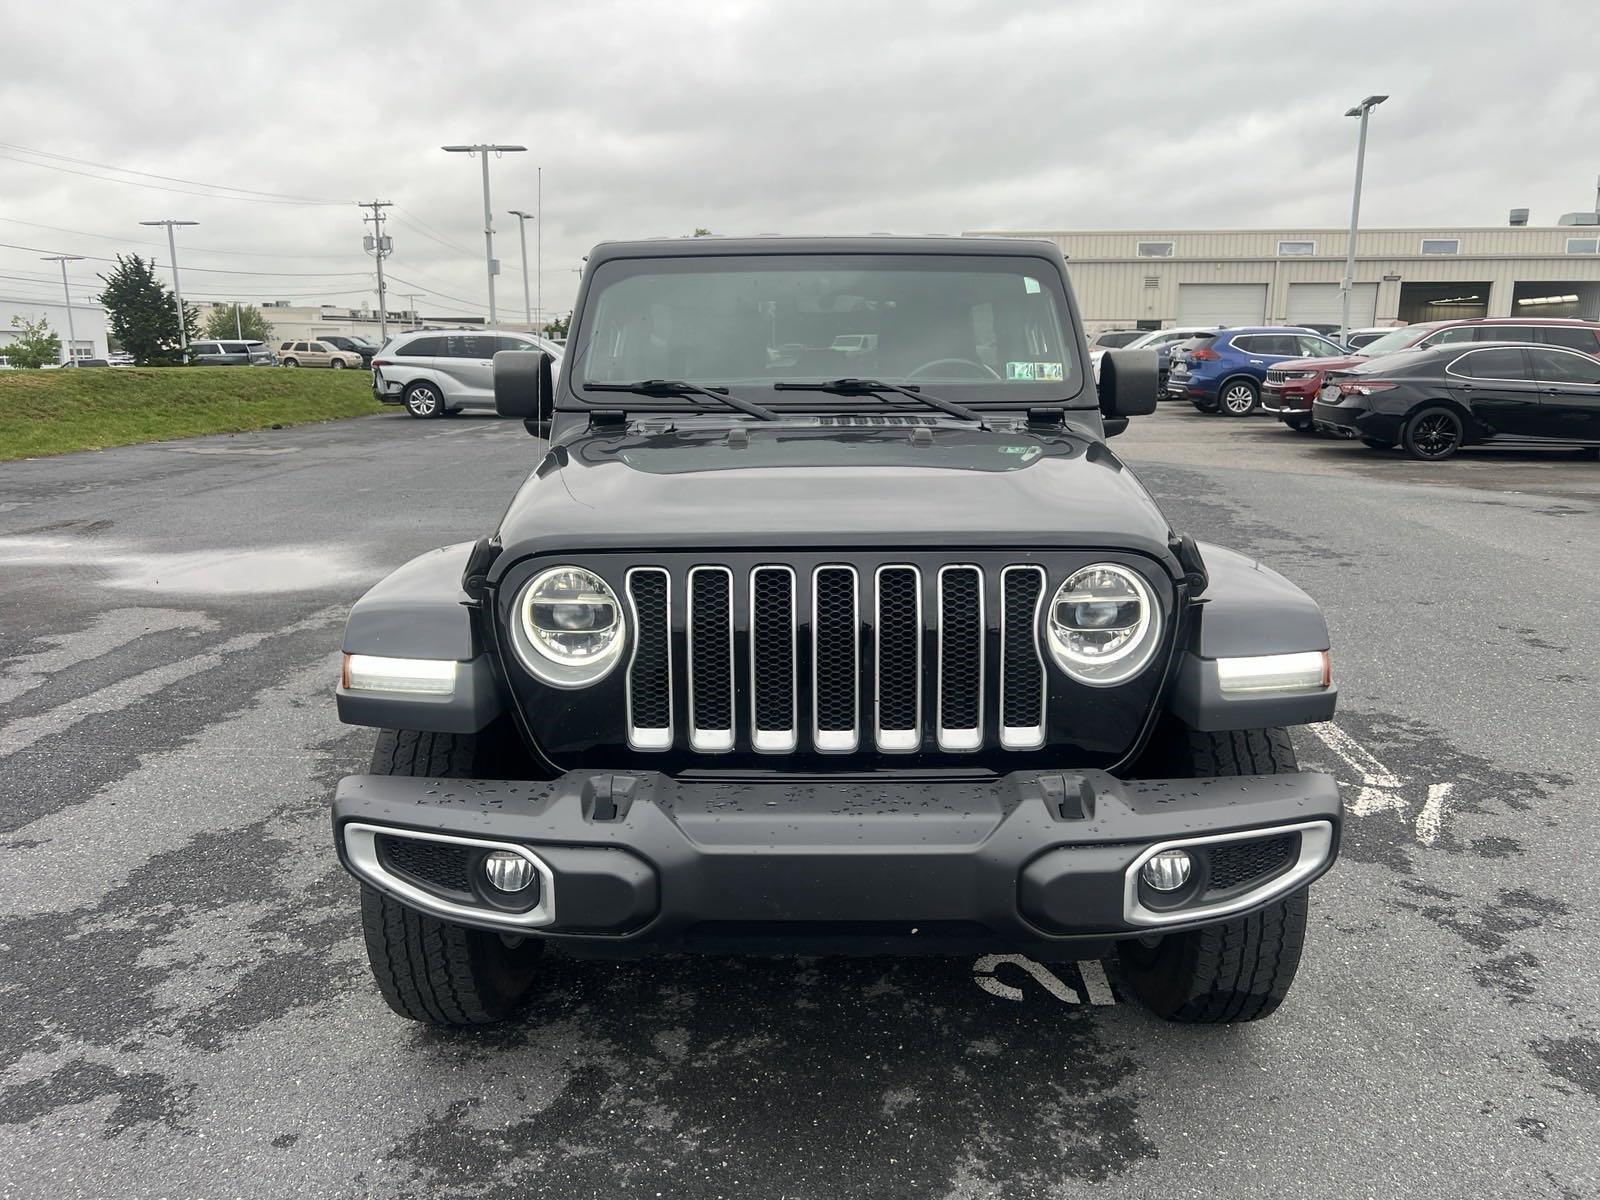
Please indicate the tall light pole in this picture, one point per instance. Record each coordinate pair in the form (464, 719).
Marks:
(177, 290)
(64, 259)
(1361, 110)
(522, 231)
(538, 245)
(485, 149)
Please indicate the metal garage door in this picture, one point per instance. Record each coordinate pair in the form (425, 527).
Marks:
(1222, 303)
(1319, 304)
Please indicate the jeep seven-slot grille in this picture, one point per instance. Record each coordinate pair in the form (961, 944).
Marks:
(836, 659)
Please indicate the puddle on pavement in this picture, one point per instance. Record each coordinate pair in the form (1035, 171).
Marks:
(199, 572)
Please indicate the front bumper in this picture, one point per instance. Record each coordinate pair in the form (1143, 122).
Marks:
(1286, 404)
(638, 862)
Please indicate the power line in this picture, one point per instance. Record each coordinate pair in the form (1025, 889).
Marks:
(211, 270)
(112, 237)
(249, 193)
(406, 217)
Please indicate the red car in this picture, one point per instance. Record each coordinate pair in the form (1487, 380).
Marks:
(1291, 386)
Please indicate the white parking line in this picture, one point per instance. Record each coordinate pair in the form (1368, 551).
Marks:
(1096, 987)
(1431, 817)
(1380, 787)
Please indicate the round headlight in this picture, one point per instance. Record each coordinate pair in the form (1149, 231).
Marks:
(1104, 624)
(569, 629)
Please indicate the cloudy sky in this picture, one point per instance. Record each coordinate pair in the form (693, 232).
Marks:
(828, 116)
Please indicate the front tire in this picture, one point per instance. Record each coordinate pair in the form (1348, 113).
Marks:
(1237, 970)
(291, 362)
(1433, 435)
(430, 970)
(1238, 398)
(337, 364)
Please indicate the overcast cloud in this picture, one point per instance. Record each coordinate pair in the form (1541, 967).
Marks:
(830, 116)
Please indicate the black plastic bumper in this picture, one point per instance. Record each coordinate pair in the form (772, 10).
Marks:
(636, 862)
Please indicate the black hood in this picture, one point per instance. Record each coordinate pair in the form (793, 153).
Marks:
(819, 482)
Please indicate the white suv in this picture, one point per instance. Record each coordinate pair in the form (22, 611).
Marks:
(437, 371)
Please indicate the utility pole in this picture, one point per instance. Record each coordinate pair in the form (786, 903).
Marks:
(379, 246)
(485, 149)
(522, 232)
(1361, 110)
(177, 290)
(538, 247)
(238, 321)
(64, 259)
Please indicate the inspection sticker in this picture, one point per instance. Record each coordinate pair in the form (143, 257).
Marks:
(1049, 371)
(1019, 370)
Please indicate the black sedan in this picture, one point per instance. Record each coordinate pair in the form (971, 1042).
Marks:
(1432, 402)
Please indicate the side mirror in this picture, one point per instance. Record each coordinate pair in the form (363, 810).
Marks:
(524, 386)
(1128, 382)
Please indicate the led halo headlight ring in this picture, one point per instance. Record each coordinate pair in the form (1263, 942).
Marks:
(1103, 624)
(568, 627)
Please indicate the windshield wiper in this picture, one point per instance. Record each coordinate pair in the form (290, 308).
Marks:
(864, 387)
(678, 387)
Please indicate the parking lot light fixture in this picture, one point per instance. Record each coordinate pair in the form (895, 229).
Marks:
(485, 149)
(72, 333)
(1361, 110)
(177, 290)
(522, 231)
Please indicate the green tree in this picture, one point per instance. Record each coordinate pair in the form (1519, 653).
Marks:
(558, 327)
(238, 320)
(143, 316)
(34, 346)
(701, 232)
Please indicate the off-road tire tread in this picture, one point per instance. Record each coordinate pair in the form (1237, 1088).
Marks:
(1237, 970)
(427, 969)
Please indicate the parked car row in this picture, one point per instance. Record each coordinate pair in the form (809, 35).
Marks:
(1429, 388)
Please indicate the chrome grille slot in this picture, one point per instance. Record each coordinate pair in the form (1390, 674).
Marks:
(961, 637)
(650, 669)
(709, 619)
(1022, 680)
(897, 678)
(774, 728)
(835, 659)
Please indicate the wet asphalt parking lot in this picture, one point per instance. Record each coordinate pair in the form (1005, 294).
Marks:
(186, 1005)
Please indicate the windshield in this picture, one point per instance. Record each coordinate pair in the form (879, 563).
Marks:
(358, 340)
(981, 328)
(1390, 342)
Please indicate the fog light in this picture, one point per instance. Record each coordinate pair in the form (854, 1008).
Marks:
(508, 871)
(1167, 871)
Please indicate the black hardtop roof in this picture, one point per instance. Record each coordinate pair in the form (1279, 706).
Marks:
(701, 247)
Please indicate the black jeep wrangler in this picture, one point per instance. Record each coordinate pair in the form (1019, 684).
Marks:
(827, 622)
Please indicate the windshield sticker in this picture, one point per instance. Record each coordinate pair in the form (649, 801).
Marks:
(1050, 371)
(1019, 370)
(1030, 285)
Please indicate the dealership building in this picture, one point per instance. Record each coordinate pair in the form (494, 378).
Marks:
(1148, 279)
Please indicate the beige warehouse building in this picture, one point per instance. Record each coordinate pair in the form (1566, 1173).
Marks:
(1153, 278)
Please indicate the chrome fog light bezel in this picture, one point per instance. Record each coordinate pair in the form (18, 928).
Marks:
(360, 841)
(1316, 851)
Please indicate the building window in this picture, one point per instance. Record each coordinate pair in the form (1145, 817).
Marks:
(1297, 247)
(1154, 250)
(1583, 245)
(1441, 245)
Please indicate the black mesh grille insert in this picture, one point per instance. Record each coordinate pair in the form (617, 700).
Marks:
(438, 865)
(835, 635)
(772, 647)
(899, 634)
(649, 681)
(710, 652)
(1237, 863)
(960, 649)
(1022, 689)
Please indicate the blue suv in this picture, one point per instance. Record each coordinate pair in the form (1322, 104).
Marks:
(1224, 370)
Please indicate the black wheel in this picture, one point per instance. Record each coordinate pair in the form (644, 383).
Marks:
(1432, 435)
(337, 364)
(1238, 398)
(422, 400)
(427, 969)
(291, 362)
(1238, 970)
(1377, 444)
